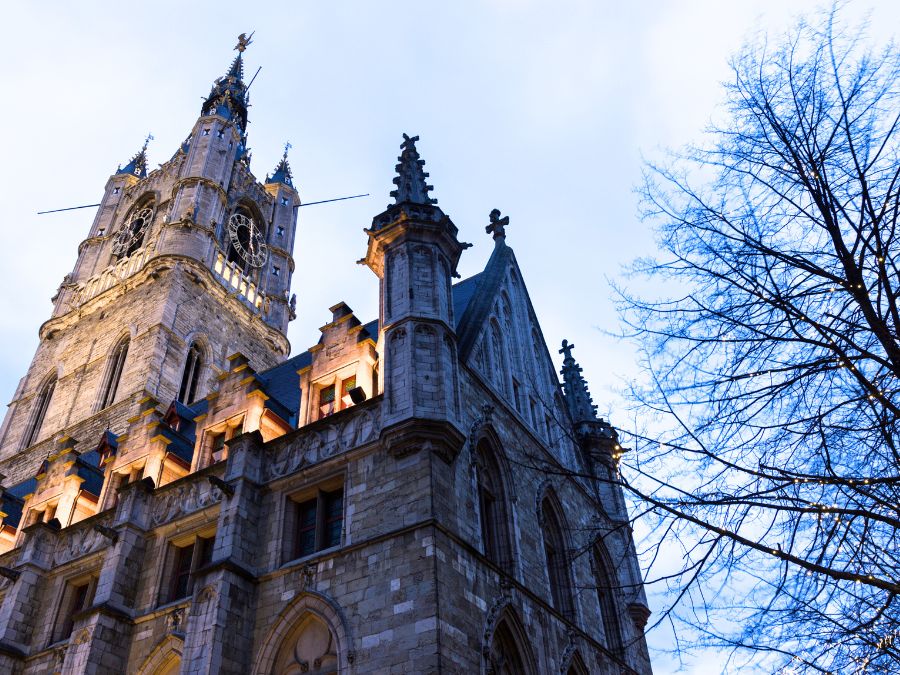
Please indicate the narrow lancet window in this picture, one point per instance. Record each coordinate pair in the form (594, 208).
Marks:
(116, 365)
(40, 412)
(191, 376)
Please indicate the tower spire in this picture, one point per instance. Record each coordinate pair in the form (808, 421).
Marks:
(578, 398)
(410, 179)
(228, 96)
(137, 165)
(282, 173)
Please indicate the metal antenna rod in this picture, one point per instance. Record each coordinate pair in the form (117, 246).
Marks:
(323, 201)
(71, 208)
(336, 199)
(253, 78)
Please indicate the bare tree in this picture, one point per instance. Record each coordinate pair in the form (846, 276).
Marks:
(775, 362)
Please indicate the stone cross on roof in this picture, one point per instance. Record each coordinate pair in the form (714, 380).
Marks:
(566, 350)
(498, 225)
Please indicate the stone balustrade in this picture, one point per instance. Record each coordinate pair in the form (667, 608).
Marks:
(232, 276)
(118, 271)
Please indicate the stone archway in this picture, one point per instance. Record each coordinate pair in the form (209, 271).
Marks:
(165, 659)
(310, 636)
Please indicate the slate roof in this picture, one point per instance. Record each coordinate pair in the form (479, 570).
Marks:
(282, 383)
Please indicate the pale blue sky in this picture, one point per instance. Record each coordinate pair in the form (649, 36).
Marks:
(542, 110)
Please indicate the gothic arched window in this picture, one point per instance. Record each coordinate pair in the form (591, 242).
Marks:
(190, 378)
(499, 358)
(492, 506)
(114, 373)
(508, 653)
(42, 402)
(557, 558)
(310, 648)
(131, 235)
(603, 578)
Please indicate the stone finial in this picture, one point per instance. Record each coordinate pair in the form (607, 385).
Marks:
(578, 398)
(410, 179)
(497, 226)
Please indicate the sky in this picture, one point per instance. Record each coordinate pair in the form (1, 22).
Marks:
(545, 111)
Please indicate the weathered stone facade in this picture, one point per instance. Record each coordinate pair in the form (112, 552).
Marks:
(416, 494)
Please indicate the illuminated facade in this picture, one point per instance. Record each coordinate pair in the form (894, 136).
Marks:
(180, 495)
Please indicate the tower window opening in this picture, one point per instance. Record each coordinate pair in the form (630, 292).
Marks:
(40, 412)
(190, 379)
(280, 231)
(116, 190)
(206, 132)
(284, 202)
(276, 270)
(116, 365)
(220, 133)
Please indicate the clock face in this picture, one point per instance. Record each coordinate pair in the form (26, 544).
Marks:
(247, 239)
(131, 236)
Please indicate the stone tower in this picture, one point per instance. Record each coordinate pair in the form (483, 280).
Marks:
(414, 251)
(182, 267)
(413, 494)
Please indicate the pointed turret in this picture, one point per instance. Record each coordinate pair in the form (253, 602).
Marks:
(410, 179)
(282, 173)
(137, 165)
(578, 398)
(597, 437)
(228, 96)
(414, 250)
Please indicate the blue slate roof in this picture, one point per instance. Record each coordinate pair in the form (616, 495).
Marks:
(282, 384)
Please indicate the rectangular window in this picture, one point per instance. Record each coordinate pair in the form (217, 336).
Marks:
(326, 401)
(181, 572)
(319, 523)
(333, 509)
(218, 447)
(186, 560)
(346, 386)
(77, 596)
(306, 528)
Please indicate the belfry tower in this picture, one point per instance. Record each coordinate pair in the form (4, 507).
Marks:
(183, 266)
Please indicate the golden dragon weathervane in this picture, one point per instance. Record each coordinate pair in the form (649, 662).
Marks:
(244, 41)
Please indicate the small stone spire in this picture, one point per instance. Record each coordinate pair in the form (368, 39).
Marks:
(137, 165)
(410, 179)
(282, 172)
(578, 398)
(498, 227)
(228, 96)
